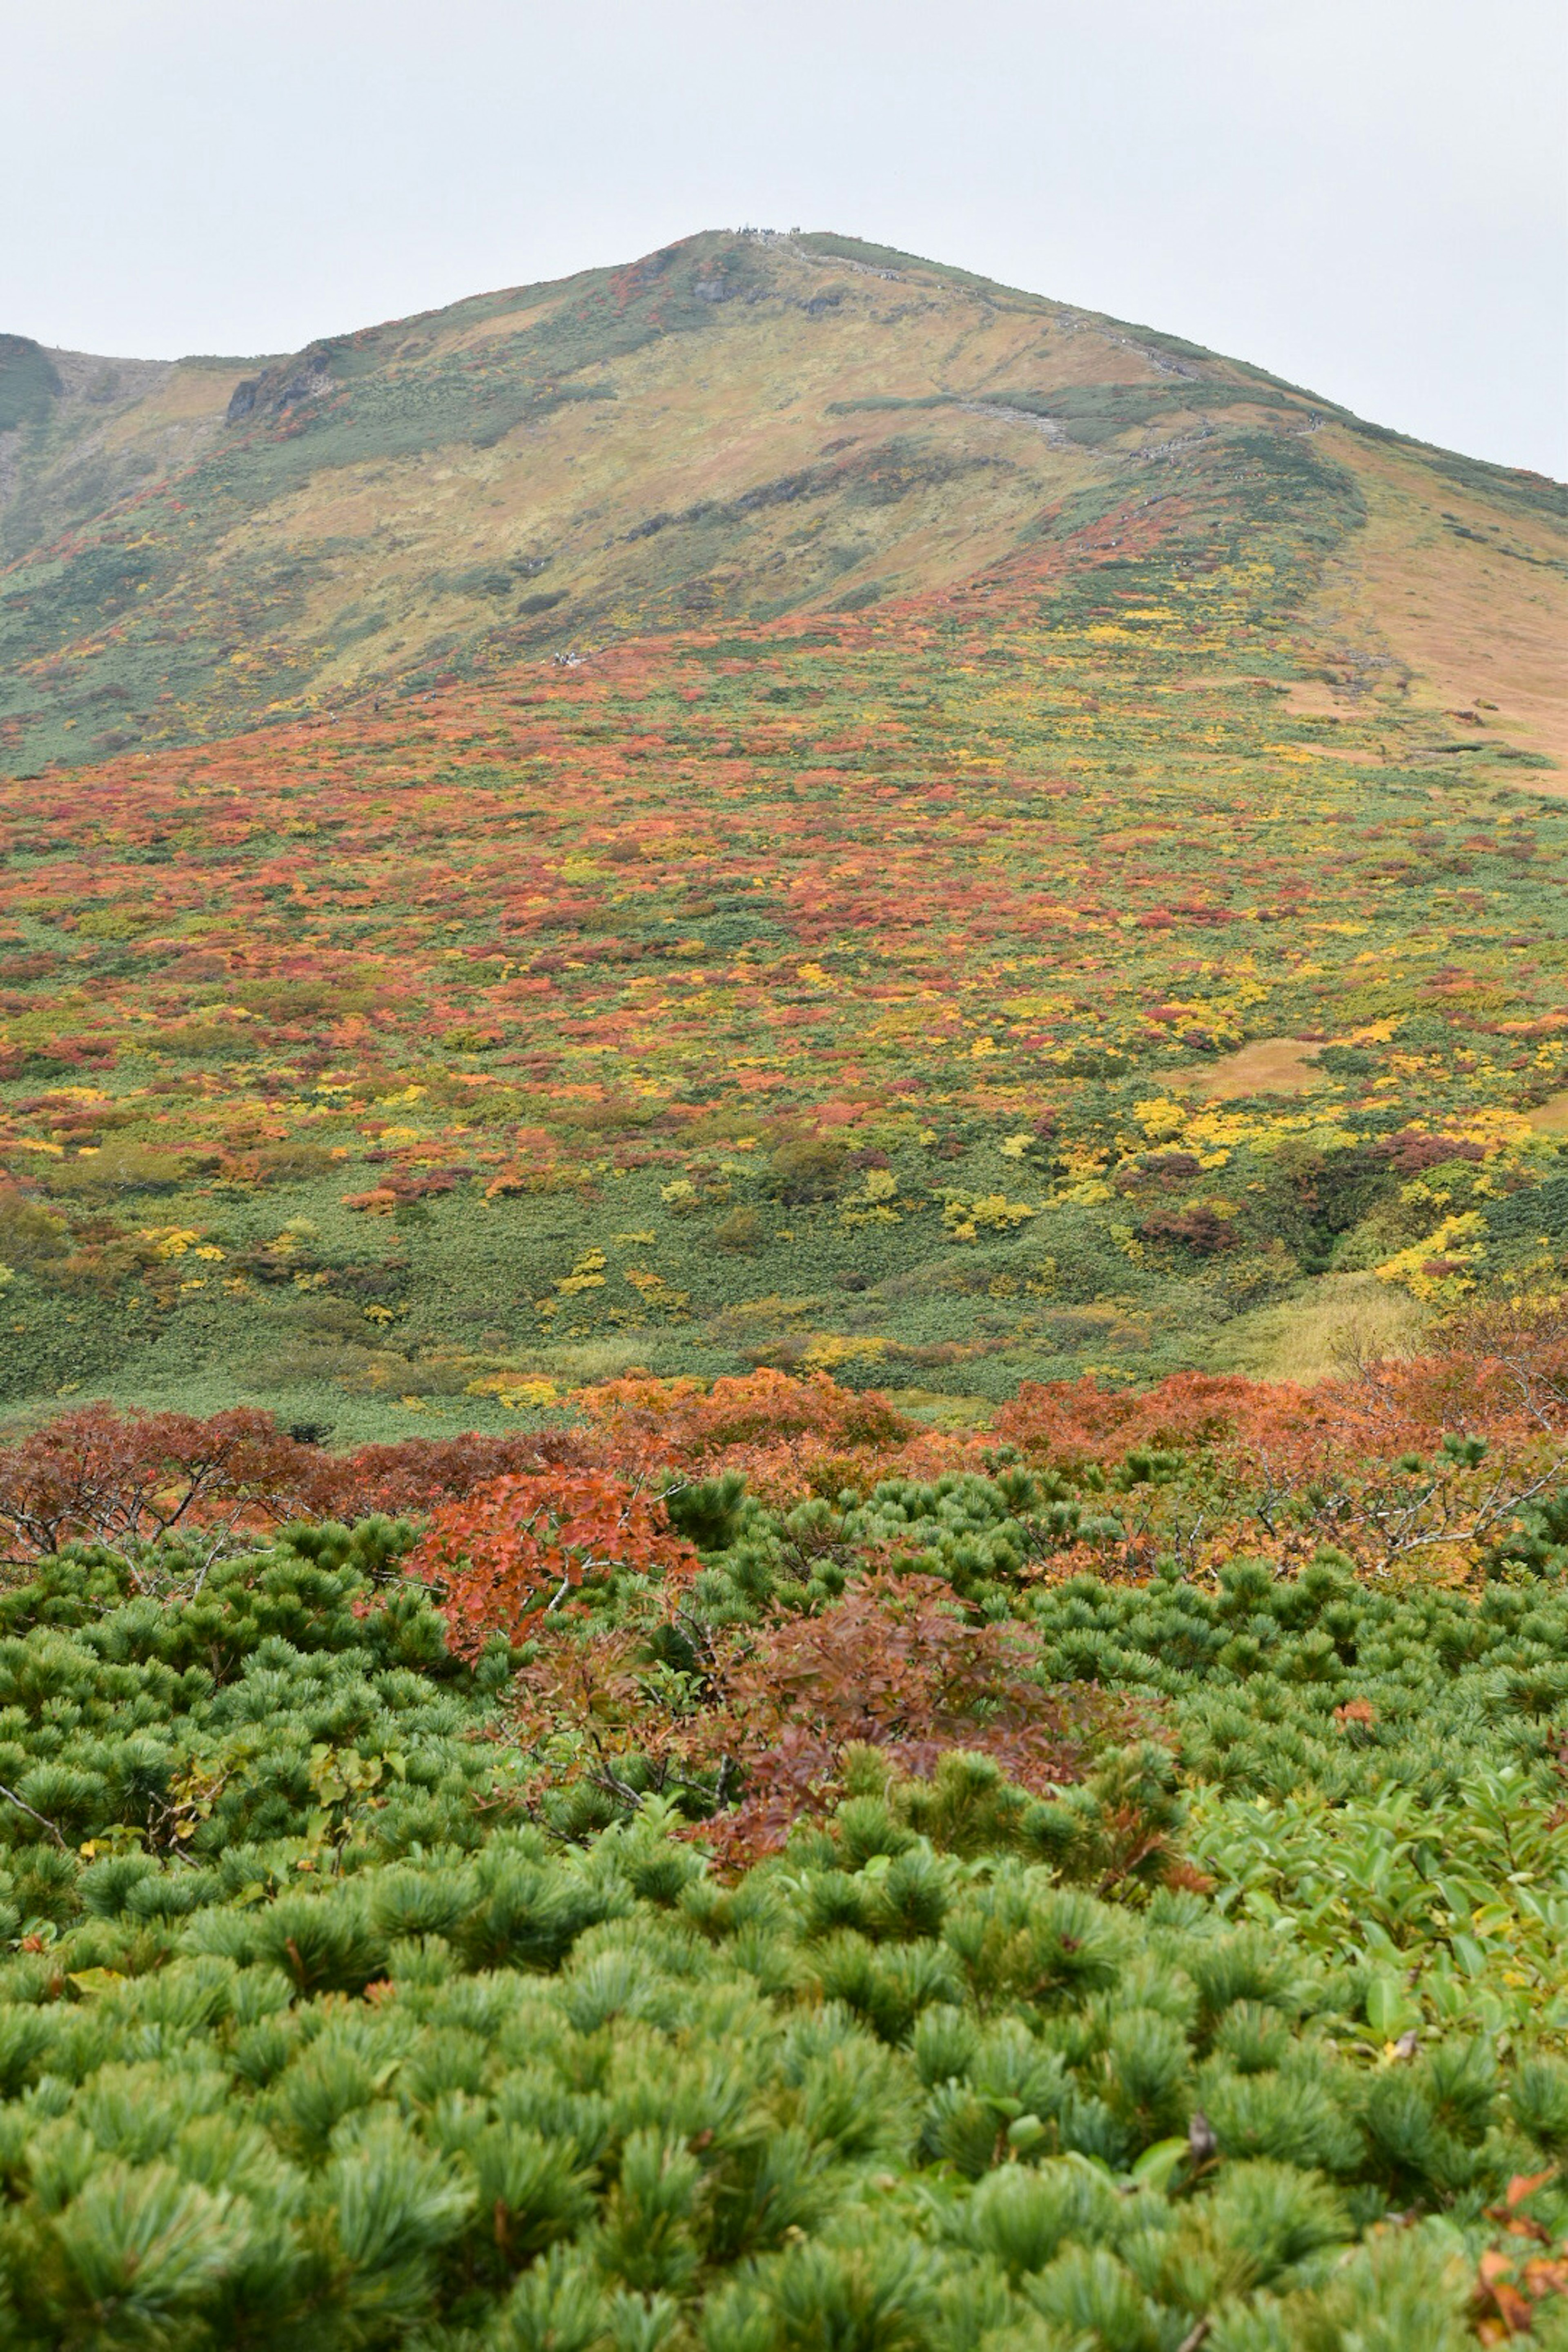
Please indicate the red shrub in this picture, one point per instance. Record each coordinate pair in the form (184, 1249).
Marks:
(1411, 1154)
(520, 1543)
(761, 1408)
(1074, 1422)
(128, 1478)
(788, 1435)
(1200, 1230)
(893, 1667)
(413, 1476)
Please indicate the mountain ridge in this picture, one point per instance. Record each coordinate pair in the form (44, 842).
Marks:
(381, 507)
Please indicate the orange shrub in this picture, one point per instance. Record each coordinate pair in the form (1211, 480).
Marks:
(520, 1543)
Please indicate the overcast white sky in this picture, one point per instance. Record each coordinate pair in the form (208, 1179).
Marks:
(1367, 197)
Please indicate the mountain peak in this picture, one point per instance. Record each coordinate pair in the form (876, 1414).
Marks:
(740, 426)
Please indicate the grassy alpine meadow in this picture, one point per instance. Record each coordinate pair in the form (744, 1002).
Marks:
(987, 989)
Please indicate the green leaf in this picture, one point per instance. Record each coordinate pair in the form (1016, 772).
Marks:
(91, 1980)
(1390, 2011)
(1157, 2167)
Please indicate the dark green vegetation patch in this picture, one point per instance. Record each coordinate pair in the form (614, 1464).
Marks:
(310, 2034)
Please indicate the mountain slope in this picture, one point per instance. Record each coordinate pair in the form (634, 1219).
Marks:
(733, 428)
(1020, 847)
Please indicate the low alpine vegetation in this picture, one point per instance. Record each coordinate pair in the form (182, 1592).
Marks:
(765, 1924)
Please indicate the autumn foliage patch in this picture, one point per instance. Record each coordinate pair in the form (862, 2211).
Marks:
(783, 1718)
(516, 1544)
(1434, 1456)
(130, 1479)
(902, 996)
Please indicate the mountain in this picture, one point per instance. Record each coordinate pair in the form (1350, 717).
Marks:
(734, 429)
(782, 805)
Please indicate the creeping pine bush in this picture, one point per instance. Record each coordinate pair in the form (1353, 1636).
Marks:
(326, 2022)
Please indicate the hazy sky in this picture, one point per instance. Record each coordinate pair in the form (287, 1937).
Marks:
(1367, 197)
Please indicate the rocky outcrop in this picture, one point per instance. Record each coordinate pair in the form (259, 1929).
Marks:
(305, 377)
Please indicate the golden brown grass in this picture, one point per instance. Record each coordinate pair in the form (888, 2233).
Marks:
(1269, 1066)
(1476, 625)
(1344, 1319)
(1550, 1118)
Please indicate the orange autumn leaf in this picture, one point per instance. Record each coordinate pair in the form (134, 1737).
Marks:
(1525, 2184)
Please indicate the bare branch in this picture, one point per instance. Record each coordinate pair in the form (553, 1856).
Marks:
(22, 1806)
